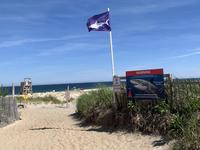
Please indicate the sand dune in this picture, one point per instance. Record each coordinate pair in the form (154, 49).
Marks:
(51, 127)
(61, 95)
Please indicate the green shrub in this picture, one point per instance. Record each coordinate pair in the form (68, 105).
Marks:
(184, 111)
(177, 124)
(177, 118)
(162, 108)
(89, 102)
(3, 91)
(134, 107)
(185, 127)
(36, 100)
(149, 118)
(189, 136)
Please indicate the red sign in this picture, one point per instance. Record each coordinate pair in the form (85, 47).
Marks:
(145, 72)
(129, 94)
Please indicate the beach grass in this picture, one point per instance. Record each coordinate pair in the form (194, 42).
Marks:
(176, 118)
(89, 102)
(37, 100)
(3, 91)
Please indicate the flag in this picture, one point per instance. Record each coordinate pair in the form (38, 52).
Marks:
(99, 22)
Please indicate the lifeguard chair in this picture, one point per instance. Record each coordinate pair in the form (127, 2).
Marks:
(26, 86)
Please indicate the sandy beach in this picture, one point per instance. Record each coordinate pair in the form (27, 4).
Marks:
(74, 94)
(53, 127)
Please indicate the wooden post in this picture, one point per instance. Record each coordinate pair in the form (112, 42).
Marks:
(171, 90)
(13, 91)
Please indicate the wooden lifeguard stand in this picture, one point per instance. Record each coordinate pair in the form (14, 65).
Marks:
(26, 86)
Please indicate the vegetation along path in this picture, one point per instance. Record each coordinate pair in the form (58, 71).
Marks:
(49, 127)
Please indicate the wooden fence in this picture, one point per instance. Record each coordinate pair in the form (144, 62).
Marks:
(176, 91)
(182, 90)
(8, 110)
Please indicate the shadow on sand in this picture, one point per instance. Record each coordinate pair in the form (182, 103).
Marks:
(123, 130)
(44, 128)
(92, 127)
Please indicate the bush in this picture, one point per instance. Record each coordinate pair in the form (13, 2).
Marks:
(150, 119)
(93, 102)
(188, 138)
(185, 125)
(177, 118)
(46, 99)
(3, 91)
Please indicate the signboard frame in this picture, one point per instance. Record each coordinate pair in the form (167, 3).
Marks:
(145, 84)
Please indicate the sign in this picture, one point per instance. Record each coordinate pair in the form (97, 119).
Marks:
(116, 84)
(67, 94)
(145, 84)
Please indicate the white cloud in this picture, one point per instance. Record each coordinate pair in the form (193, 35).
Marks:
(187, 55)
(155, 6)
(70, 47)
(196, 49)
(163, 61)
(194, 52)
(20, 42)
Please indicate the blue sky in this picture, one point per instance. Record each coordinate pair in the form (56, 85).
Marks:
(48, 40)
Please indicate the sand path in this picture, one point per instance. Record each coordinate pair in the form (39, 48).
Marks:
(47, 127)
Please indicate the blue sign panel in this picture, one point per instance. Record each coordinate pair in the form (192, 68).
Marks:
(145, 84)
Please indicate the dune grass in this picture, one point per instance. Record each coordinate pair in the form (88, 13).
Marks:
(37, 100)
(3, 91)
(177, 119)
(89, 102)
(185, 126)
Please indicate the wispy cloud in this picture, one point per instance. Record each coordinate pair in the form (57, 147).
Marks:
(194, 52)
(30, 11)
(55, 51)
(155, 6)
(20, 42)
(139, 28)
(162, 61)
(196, 49)
(37, 18)
(186, 55)
(22, 17)
(32, 4)
(70, 47)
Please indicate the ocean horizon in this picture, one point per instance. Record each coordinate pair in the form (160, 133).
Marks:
(62, 86)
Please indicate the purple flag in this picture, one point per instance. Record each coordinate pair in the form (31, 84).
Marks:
(99, 22)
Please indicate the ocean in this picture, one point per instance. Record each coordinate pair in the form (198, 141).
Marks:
(62, 87)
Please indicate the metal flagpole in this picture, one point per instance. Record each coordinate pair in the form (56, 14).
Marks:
(112, 58)
(111, 50)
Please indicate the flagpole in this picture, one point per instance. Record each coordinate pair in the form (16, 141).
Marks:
(111, 50)
(113, 64)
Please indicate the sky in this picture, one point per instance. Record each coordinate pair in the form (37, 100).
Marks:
(48, 40)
